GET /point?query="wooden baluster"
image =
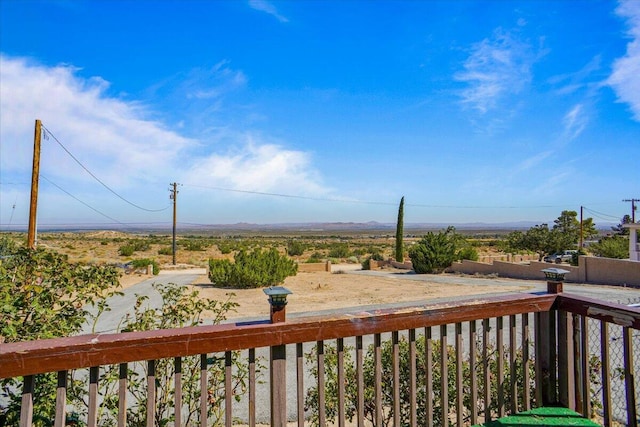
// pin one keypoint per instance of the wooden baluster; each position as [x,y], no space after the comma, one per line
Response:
[632,415]
[360,379]
[428,361]
[92,420]
[151,393]
[395,362]
[459,388]
[473,350]
[526,363]
[228,389]
[177,380]
[122,395]
[252,386]
[300,383]
[204,390]
[500,373]
[377,356]
[341,380]
[321,384]
[444,376]
[513,372]
[26,407]
[413,390]
[606,369]
[61,399]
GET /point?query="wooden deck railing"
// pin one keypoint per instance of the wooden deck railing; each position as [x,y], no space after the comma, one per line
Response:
[465,373]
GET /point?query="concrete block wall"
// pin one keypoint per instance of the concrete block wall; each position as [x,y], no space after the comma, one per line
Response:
[605,271]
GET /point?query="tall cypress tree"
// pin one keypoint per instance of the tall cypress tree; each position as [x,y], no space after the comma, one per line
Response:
[400,232]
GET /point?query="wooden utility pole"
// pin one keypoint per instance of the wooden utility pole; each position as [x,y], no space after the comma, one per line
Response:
[581,232]
[633,208]
[174,197]
[35,179]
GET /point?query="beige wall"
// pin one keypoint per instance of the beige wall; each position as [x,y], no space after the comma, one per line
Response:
[314,267]
[605,271]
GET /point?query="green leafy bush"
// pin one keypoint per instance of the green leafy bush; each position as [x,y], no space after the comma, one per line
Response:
[469,253]
[42,295]
[434,252]
[616,246]
[295,248]
[165,251]
[339,250]
[256,269]
[126,250]
[315,257]
[180,308]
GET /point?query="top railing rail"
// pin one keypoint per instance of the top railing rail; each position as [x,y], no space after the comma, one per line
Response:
[59,354]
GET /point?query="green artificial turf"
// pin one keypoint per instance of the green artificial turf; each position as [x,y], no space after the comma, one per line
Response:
[542,417]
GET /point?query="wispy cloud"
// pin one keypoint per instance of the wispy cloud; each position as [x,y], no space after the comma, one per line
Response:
[574,122]
[267,7]
[625,77]
[497,66]
[120,143]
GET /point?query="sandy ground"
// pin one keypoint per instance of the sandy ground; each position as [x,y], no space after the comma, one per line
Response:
[329,291]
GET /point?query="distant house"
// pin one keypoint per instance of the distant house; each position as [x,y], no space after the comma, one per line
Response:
[634,246]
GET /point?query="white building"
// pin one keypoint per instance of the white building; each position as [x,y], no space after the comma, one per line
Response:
[634,246]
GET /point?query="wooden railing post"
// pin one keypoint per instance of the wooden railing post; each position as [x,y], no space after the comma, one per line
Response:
[278,358]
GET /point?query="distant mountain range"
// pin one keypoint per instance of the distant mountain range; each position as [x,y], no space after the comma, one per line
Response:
[307,227]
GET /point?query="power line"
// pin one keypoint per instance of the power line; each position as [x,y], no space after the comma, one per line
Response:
[367,202]
[601,215]
[47,131]
[75,198]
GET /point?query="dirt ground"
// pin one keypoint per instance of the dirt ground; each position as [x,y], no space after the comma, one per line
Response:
[327,291]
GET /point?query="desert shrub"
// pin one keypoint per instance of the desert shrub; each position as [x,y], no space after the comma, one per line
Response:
[144,262]
[126,250]
[434,252]
[42,295]
[165,251]
[254,269]
[295,248]
[339,250]
[469,253]
[315,257]
[194,245]
[225,248]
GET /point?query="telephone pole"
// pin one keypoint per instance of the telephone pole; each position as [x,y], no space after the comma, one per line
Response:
[581,232]
[633,208]
[174,196]
[35,179]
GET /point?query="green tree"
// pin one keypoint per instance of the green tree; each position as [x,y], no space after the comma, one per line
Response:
[400,232]
[619,229]
[537,239]
[615,246]
[256,269]
[565,233]
[434,252]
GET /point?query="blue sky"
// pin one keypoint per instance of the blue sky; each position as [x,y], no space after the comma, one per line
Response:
[298,111]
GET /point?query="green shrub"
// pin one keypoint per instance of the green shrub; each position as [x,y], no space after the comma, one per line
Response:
[339,250]
[434,252]
[194,245]
[616,246]
[165,251]
[315,257]
[469,253]
[224,248]
[126,250]
[256,269]
[43,295]
[295,248]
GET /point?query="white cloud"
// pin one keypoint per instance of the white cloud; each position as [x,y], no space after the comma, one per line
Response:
[118,142]
[574,122]
[497,67]
[625,77]
[267,7]
[259,166]
[112,137]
